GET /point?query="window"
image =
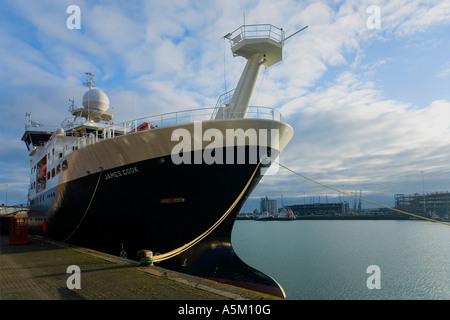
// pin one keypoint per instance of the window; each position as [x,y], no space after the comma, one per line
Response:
[64,165]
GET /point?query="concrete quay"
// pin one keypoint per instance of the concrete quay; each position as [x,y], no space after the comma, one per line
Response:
[38,270]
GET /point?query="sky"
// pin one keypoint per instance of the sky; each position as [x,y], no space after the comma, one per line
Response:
[366,87]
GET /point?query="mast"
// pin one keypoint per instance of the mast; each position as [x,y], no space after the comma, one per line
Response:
[261,45]
[89,83]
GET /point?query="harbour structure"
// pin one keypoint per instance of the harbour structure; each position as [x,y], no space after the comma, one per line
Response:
[337,208]
[269,206]
[437,203]
[159,182]
[13,210]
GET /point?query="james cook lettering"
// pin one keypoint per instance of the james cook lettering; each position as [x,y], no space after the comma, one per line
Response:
[120,173]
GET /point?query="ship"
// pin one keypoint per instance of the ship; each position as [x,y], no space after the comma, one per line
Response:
[159,182]
[285,214]
[264,216]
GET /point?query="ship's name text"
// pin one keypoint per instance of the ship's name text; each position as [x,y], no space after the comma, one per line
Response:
[121,173]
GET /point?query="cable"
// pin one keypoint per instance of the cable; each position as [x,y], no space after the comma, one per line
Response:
[89,205]
[347,194]
[224,67]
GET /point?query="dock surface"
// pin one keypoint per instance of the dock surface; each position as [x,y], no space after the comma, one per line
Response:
[38,270]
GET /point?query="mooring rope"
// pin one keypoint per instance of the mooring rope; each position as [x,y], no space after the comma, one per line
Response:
[175,252]
[87,209]
[350,195]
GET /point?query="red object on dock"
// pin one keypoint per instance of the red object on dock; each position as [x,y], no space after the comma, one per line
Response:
[18,230]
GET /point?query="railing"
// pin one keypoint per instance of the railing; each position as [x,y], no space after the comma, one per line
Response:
[256,31]
[159,121]
[72,122]
[189,116]
[222,101]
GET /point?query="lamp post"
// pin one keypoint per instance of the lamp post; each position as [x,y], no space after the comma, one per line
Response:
[423,190]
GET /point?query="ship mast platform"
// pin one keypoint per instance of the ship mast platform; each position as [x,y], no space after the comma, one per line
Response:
[260,44]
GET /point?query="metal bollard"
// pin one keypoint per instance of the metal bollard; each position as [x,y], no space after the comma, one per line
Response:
[145,257]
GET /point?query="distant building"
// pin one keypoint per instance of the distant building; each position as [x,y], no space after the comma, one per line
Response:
[436,202]
[320,208]
[270,206]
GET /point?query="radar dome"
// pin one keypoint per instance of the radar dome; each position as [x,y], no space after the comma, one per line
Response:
[96,99]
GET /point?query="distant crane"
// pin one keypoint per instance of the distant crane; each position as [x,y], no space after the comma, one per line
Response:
[360,197]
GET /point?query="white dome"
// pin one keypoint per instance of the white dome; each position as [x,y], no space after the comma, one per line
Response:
[96,99]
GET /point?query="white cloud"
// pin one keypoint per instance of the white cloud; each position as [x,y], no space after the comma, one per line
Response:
[444,73]
[407,17]
[349,135]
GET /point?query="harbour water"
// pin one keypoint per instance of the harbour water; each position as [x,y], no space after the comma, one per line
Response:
[329,259]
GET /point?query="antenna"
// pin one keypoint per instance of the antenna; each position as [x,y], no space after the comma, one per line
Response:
[89,83]
[295,33]
[72,105]
[29,118]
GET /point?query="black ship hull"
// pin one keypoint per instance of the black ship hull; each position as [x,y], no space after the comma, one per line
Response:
[159,206]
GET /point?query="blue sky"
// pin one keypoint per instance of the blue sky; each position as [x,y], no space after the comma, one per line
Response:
[370,108]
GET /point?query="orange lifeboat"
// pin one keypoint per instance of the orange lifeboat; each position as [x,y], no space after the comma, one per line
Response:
[144,126]
[43,172]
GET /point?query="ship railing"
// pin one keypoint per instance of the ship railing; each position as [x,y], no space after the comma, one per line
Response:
[163,120]
[72,122]
[187,116]
[222,102]
[255,31]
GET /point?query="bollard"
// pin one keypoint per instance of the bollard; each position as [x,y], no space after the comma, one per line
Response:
[145,257]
